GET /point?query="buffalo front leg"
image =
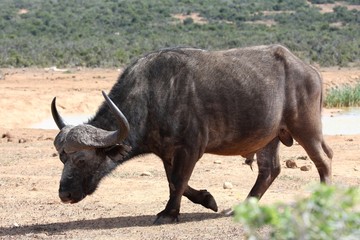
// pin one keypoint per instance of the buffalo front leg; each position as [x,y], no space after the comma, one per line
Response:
[178,175]
[202,197]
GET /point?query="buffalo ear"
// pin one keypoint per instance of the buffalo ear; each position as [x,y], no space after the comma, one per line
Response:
[118,152]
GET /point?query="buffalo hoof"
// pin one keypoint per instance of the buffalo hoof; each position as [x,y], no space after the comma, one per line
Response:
[166,217]
[209,201]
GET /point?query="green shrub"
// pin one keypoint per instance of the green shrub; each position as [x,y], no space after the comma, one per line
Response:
[345,96]
[329,213]
[90,33]
[188,21]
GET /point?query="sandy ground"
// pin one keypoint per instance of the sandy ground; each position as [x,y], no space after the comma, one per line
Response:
[126,202]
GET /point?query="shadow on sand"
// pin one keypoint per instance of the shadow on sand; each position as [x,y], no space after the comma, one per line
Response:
[100,223]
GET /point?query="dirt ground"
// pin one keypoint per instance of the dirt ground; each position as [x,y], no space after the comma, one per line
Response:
[126,202]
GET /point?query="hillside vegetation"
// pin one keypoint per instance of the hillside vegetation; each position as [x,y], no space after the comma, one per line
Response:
[111,33]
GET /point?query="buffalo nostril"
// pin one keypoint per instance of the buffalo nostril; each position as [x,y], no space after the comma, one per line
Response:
[65,196]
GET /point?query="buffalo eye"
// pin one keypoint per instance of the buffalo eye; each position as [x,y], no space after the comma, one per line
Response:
[79,161]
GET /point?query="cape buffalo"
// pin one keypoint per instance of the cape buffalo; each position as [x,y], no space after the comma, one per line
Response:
[180,103]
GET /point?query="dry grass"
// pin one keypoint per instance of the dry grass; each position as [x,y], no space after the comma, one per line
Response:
[268,22]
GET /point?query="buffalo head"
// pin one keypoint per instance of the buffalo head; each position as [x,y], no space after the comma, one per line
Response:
[88,153]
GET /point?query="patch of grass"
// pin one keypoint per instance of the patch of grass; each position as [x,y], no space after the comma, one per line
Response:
[345,96]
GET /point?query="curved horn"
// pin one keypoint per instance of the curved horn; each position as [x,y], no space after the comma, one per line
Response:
[124,127]
[57,118]
[87,136]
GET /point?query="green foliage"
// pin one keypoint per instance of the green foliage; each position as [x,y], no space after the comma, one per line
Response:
[110,33]
[345,96]
[322,1]
[329,213]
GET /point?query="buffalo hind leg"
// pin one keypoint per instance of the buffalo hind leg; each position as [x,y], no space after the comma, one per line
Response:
[321,154]
[268,163]
[310,137]
[182,166]
[202,197]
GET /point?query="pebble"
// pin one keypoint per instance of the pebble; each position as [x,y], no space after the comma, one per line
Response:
[145,174]
[305,168]
[7,135]
[290,164]
[302,157]
[217,162]
[227,185]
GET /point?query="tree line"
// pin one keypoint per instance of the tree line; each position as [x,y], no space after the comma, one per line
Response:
[110,33]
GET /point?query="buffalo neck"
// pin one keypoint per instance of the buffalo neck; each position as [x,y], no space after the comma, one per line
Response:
[126,97]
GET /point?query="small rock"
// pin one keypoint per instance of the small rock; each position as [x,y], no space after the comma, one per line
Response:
[15,224]
[349,140]
[227,185]
[54,155]
[305,168]
[41,236]
[22,140]
[145,174]
[217,162]
[356,169]
[290,164]
[302,157]
[7,135]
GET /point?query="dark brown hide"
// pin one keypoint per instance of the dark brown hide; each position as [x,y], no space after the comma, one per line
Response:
[181,103]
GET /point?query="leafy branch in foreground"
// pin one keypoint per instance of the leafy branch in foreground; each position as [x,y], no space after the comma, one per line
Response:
[329,213]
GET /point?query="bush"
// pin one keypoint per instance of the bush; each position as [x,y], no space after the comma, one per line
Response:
[188,21]
[90,33]
[329,213]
